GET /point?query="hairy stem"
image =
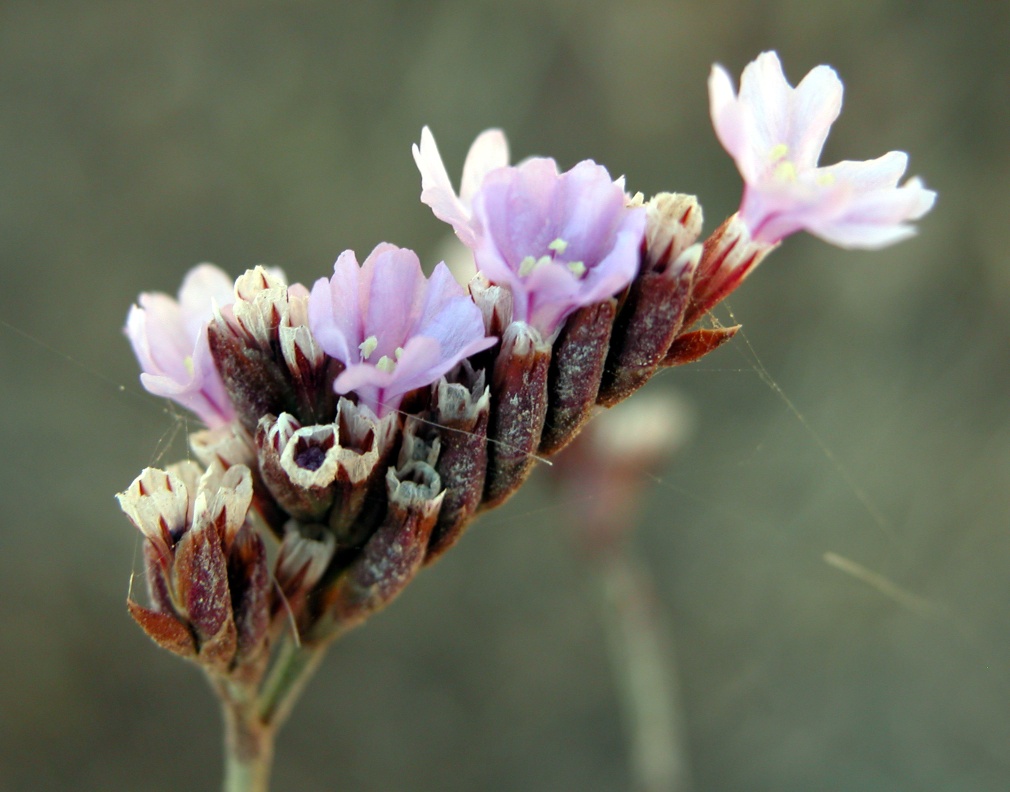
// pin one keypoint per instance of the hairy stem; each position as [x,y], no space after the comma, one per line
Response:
[249,741]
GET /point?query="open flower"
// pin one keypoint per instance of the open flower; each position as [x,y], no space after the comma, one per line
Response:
[557,241]
[775,134]
[394,330]
[169,338]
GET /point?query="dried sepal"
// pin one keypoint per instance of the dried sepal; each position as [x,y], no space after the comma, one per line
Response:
[729,256]
[673,224]
[359,503]
[165,629]
[393,554]
[228,445]
[303,557]
[695,344]
[650,319]
[518,410]
[255,381]
[494,302]
[250,585]
[576,371]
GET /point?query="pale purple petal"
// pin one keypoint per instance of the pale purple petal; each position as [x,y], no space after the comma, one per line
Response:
[169,338]
[437,191]
[204,284]
[334,314]
[775,134]
[557,241]
[876,218]
[489,151]
[816,103]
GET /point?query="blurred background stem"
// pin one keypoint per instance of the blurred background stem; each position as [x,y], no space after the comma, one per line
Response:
[640,650]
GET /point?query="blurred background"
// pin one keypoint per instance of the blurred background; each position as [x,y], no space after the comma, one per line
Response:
[137,140]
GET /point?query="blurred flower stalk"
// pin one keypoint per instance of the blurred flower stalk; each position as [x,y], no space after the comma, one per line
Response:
[355,429]
[600,478]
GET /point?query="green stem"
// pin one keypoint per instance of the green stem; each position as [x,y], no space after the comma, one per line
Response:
[292,669]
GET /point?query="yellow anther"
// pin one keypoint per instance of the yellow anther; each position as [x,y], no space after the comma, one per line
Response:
[188,363]
[526,266]
[577,268]
[398,353]
[785,171]
[368,346]
[825,179]
[778,152]
[558,245]
[385,364]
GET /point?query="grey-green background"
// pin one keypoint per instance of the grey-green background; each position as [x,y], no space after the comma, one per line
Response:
[137,139]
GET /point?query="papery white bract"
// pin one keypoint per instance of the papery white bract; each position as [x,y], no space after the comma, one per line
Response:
[393,329]
[557,241]
[775,134]
[169,338]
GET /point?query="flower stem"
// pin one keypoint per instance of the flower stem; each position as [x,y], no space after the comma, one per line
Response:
[295,664]
[249,741]
[641,654]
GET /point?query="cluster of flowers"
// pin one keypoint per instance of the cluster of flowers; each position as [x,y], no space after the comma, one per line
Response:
[366,422]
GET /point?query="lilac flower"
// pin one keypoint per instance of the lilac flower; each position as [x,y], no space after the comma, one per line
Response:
[169,338]
[557,241]
[394,330]
[775,134]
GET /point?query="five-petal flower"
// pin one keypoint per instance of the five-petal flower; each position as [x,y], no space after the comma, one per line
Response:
[775,134]
[557,241]
[393,330]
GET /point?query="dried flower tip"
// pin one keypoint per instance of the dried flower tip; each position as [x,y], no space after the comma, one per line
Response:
[227,445]
[673,223]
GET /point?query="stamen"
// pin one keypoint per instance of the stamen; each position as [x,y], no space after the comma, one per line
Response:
[558,245]
[386,364]
[188,363]
[826,179]
[398,353]
[778,152]
[526,266]
[785,171]
[368,346]
[577,268]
